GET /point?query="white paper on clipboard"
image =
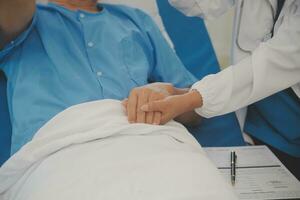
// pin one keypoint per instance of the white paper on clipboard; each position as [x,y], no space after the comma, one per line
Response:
[259,174]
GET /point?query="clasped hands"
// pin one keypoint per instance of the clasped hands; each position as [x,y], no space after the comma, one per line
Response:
[158,103]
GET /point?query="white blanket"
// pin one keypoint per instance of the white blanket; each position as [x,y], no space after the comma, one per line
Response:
[91,152]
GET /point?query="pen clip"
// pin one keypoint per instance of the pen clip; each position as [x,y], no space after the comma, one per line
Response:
[233,157]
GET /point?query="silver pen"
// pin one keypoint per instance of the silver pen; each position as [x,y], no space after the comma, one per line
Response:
[233,166]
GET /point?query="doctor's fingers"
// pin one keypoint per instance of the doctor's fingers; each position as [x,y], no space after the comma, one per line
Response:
[151,117]
[154,117]
[146,95]
[157,106]
[132,111]
[163,107]
[139,97]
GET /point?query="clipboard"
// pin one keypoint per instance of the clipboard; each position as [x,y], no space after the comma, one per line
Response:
[259,173]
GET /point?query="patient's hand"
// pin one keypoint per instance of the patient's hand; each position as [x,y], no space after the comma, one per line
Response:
[144,95]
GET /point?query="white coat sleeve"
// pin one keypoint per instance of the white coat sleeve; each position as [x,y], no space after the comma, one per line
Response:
[207,9]
[272,67]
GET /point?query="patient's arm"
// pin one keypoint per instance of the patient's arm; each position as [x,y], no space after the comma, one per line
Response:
[15,15]
[154,92]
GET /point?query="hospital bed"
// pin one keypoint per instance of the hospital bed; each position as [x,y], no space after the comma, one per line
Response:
[197,54]
[99,155]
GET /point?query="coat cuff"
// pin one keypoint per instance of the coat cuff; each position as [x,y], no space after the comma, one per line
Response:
[215,91]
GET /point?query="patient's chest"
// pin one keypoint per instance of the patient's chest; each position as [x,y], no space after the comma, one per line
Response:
[73,58]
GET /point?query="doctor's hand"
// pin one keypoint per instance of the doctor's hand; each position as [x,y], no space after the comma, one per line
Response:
[143,95]
[172,107]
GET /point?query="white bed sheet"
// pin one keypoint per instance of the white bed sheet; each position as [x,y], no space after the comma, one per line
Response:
[90,151]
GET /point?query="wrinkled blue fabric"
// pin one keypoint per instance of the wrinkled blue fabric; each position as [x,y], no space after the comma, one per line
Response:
[276,121]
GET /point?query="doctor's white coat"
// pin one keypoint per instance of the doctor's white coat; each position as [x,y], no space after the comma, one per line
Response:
[261,64]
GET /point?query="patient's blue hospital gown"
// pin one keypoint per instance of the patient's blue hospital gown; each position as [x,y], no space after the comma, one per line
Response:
[69,57]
